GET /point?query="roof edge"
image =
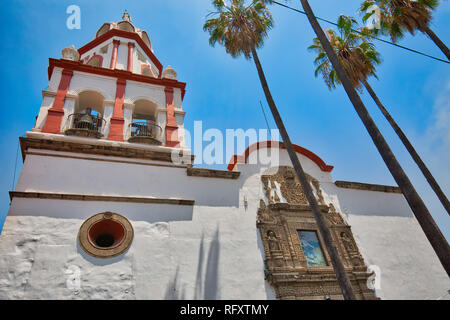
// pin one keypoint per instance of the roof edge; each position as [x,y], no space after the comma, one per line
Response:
[241,159]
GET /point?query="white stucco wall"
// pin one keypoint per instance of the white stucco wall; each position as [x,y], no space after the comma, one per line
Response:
[391,239]
[191,258]
[48,98]
[210,250]
[82,81]
[97,50]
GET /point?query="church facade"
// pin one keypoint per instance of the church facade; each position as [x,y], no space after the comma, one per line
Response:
[103,211]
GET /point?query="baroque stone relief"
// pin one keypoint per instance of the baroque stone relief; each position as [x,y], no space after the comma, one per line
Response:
[283,213]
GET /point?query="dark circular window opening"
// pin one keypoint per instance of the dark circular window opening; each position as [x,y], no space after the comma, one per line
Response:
[104,240]
[106,235]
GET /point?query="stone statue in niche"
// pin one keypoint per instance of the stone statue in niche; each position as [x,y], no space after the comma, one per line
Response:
[273,241]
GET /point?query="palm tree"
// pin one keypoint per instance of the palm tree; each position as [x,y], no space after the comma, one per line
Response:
[241,29]
[431,230]
[359,58]
[398,16]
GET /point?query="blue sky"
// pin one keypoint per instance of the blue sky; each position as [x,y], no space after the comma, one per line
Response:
[224,92]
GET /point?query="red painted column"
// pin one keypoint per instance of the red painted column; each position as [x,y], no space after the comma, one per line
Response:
[56,112]
[117,121]
[130,56]
[116,44]
[171,124]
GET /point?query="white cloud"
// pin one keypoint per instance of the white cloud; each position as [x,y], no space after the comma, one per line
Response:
[434,148]
[436,140]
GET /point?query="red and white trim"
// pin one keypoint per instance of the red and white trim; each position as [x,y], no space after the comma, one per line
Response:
[242,159]
[130,56]
[122,74]
[56,112]
[99,57]
[116,44]
[117,121]
[123,34]
[171,123]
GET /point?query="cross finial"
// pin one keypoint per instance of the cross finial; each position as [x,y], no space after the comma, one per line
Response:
[126,16]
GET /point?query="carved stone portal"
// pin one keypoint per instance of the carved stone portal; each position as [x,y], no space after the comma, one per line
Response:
[279,221]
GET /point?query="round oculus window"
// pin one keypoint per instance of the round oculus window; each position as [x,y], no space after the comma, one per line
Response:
[105,235]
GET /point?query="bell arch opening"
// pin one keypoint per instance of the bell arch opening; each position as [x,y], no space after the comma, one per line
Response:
[87,119]
[143,127]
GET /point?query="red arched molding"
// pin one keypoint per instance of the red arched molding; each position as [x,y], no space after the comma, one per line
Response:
[123,34]
[99,57]
[276,144]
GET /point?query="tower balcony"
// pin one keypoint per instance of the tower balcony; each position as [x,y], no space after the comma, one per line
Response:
[146,132]
[85,125]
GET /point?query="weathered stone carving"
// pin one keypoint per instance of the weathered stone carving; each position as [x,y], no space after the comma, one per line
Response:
[334,217]
[286,269]
[349,244]
[273,241]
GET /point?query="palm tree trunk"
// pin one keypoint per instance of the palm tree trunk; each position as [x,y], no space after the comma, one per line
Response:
[426,221]
[437,41]
[433,183]
[330,245]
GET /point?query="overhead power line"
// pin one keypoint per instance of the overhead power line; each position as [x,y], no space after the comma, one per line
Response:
[374,37]
[267,122]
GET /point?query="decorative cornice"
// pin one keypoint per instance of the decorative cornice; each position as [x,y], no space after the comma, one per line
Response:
[89,197]
[294,207]
[209,173]
[46,93]
[128,105]
[71,96]
[367,187]
[99,149]
[121,74]
[178,111]
[108,103]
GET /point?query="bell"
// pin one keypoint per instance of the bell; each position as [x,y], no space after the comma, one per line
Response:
[86,119]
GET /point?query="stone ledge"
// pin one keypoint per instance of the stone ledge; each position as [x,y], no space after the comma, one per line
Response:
[85,197]
[367,187]
[209,173]
[91,147]
[294,207]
